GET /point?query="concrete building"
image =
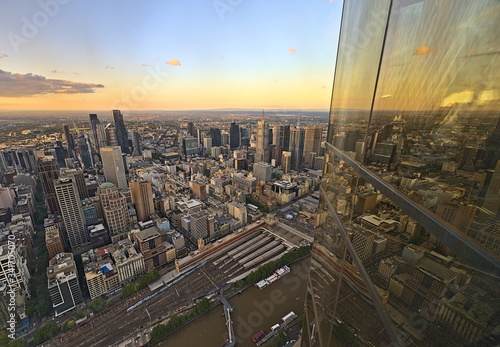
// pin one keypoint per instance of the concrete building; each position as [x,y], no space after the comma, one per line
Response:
[128,262]
[286,162]
[262,153]
[18,279]
[238,211]
[48,172]
[141,193]
[263,171]
[72,212]
[100,274]
[53,241]
[115,211]
[63,284]
[150,244]
[199,225]
[114,169]
[312,143]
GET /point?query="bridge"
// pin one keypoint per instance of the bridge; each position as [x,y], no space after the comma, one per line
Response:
[227,313]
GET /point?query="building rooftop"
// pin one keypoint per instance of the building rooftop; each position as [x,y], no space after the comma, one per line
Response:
[147,234]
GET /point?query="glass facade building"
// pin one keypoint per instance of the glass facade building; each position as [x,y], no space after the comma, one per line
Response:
[407,239]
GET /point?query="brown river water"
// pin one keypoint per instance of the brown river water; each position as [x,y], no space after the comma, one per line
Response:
[254,310]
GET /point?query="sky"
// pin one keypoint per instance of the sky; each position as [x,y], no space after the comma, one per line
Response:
[167,55]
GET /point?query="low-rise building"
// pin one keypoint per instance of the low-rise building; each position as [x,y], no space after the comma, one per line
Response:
[128,262]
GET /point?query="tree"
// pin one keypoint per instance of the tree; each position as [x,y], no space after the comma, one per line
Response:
[45,333]
[129,290]
[97,304]
[159,331]
[281,338]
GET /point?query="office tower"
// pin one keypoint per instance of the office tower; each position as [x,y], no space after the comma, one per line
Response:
[71,212]
[60,154]
[95,129]
[114,169]
[225,138]
[281,136]
[121,131]
[262,153]
[297,136]
[48,172]
[3,163]
[199,225]
[190,146]
[234,136]
[101,136]
[69,141]
[62,278]
[141,193]
[401,72]
[85,154]
[136,143]
[286,162]
[53,241]
[14,277]
[79,178]
[262,171]
[111,139]
[215,134]
[207,144]
[150,244]
[312,143]
[115,210]
[190,129]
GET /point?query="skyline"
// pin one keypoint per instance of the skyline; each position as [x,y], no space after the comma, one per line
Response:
[246,55]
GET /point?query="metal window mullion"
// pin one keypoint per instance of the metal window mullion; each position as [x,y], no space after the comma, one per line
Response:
[456,242]
[391,331]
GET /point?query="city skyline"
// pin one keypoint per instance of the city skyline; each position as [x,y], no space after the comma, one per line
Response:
[76,56]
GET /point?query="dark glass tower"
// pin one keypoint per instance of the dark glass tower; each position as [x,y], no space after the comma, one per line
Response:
[215,134]
[234,136]
[121,131]
[406,248]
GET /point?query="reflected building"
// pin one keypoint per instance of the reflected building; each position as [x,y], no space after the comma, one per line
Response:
[407,238]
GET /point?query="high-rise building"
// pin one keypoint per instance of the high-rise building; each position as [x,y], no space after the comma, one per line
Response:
[141,193]
[115,210]
[62,278]
[312,143]
[3,163]
[71,212]
[190,146]
[94,123]
[121,131]
[262,153]
[110,132]
[190,129]
[69,141]
[286,161]
[234,136]
[136,143]
[215,134]
[79,178]
[53,240]
[402,72]
[128,262]
[281,136]
[263,171]
[114,169]
[297,136]
[150,244]
[48,172]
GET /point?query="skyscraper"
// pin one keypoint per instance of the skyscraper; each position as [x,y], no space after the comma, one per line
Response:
[281,134]
[110,132]
[378,273]
[71,212]
[48,172]
[115,210]
[114,169]
[262,146]
[312,143]
[297,136]
[215,134]
[141,193]
[136,143]
[234,136]
[94,122]
[69,141]
[121,131]
[190,129]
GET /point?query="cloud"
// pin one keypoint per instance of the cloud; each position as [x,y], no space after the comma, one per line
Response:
[423,50]
[3,55]
[19,85]
[143,65]
[222,57]
[173,62]
[291,50]
[157,58]
[323,87]
[386,96]
[110,67]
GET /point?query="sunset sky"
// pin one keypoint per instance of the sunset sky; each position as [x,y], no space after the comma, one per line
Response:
[167,55]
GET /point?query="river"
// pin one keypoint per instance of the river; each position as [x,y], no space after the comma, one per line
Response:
[255,310]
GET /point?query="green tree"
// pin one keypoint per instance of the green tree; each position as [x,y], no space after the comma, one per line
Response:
[17,343]
[97,304]
[45,333]
[281,338]
[129,290]
[159,331]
